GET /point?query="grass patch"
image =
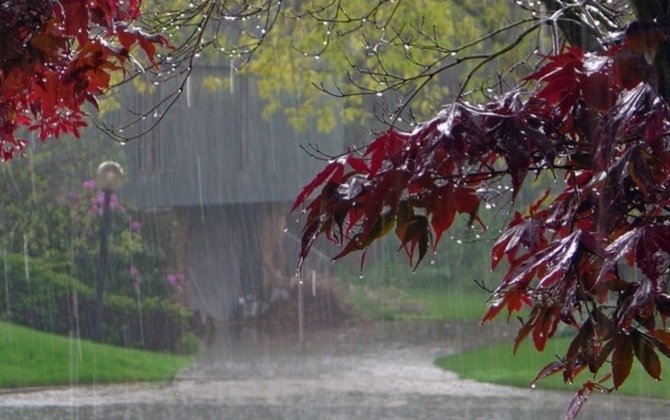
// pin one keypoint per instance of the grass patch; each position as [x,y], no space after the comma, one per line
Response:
[450,304]
[497,364]
[387,302]
[33,358]
[377,302]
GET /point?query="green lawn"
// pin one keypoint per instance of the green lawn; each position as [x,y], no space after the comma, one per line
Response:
[32,358]
[496,364]
[396,303]
[451,304]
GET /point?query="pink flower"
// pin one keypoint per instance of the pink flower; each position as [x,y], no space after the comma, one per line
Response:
[134,272]
[89,184]
[113,202]
[175,279]
[135,226]
[98,202]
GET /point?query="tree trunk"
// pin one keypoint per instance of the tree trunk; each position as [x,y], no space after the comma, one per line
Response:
[574,31]
[577,33]
[649,10]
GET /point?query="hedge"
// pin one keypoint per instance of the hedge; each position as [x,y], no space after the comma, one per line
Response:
[33,295]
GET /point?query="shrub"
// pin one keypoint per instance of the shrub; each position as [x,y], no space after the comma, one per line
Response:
[190,344]
[32,294]
[152,323]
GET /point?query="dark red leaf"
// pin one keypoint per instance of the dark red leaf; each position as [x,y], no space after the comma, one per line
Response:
[442,216]
[413,233]
[550,264]
[639,170]
[528,232]
[639,304]
[333,171]
[575,349]
[663,304]
[75,14]
[572,55]
[525,329]
[598,92]
[383,147]
[357,164]
[446,202]
[645,353]
[652,250]
[602,356]
[493,310]
[513,300]
[540,335]
[309,236]
[383,224]
[577,402]
[645,245]
[548,370]
[622,359]
[518,162]
[662,338]
[574,77]
[630,69]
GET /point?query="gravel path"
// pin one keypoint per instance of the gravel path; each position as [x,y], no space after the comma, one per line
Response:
[352,373]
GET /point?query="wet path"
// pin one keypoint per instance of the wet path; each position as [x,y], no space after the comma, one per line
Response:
[361,372]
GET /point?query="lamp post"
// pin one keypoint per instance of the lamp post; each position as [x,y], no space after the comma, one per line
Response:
[108,178]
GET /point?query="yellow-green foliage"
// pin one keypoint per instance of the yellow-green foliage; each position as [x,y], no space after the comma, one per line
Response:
[309,51]
[212,83]
[321,43]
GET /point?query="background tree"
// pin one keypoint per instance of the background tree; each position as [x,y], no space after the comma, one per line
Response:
[593,256]
[314,44]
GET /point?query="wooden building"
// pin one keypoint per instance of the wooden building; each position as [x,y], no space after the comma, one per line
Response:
[228,176]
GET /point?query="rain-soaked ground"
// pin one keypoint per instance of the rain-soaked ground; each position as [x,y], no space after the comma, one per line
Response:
[361,371]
